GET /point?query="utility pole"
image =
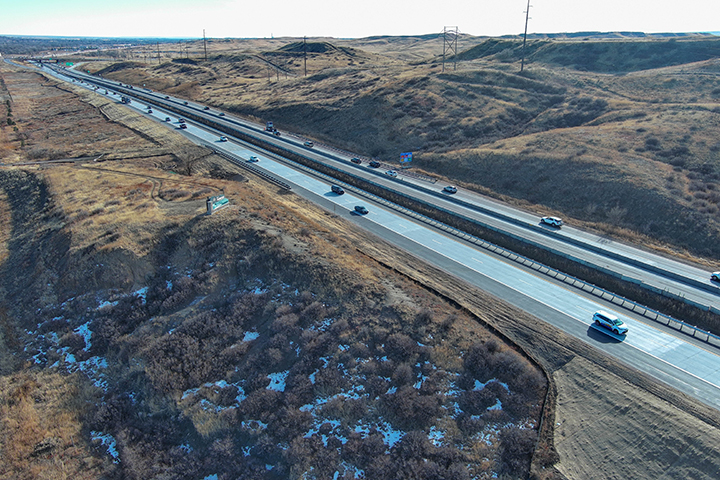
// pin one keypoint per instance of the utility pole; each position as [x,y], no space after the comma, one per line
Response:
[527,17]
[305,54]
[205,42]
[450,36]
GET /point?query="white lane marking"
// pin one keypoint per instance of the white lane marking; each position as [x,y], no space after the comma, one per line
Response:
[521,292]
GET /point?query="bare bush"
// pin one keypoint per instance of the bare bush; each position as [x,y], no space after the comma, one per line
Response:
[515,452]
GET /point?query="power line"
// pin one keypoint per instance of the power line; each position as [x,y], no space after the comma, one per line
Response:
[527,17]
[205,43]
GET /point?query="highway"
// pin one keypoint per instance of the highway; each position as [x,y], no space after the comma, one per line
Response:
[659,273]
[689,366]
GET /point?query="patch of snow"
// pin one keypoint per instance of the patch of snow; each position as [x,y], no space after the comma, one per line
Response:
[249,336]
[277,381]
[189,392]
[84,331]
[91,367]
[107,441]
[344,348]
[497,406]
[241,394]
[168,284]
[391,390]
[322,326]
[253,425]
[141,294]
[246,451]
[390,435]
[106,304]
[70,358]
[269,467]
[312,376]
[186,447]
[214,476]
[436,436]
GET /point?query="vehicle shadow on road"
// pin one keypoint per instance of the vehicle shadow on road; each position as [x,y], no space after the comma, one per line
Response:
[603,337]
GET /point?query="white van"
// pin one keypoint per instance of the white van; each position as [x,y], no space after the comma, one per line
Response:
[610,321]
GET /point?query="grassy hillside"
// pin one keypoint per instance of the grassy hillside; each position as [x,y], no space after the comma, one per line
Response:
[641,145]
[605,56]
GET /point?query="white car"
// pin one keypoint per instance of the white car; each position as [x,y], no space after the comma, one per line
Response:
[223,138]
[611,322]
[391,173]
[450,189]
[552,221]
[253,159]
[309,144]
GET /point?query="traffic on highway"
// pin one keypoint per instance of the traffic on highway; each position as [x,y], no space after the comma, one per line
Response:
[690,366]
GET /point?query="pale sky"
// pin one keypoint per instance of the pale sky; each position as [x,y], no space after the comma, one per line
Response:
[348,19]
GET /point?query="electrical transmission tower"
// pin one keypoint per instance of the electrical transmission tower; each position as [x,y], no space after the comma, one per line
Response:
[527,17]
[450,38]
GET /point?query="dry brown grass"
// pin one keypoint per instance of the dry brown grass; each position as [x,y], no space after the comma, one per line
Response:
[41,430]
[646,138]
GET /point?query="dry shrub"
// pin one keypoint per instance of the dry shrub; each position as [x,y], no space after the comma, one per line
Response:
[515,452]
[409,409]
[401,347]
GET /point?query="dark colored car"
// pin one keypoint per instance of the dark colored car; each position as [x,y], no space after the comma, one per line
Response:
[183,126]
[374,164]
[361,210]
[356,160]
[337,189]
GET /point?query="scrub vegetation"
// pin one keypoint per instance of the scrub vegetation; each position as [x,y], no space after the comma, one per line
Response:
[140,338]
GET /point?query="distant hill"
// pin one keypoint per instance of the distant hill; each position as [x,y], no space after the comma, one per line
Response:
[600,56]
[610,35]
